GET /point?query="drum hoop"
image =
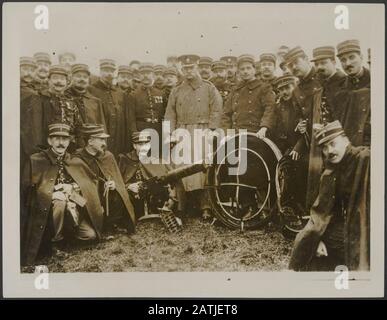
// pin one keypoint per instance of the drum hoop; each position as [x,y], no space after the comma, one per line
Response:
[268,184]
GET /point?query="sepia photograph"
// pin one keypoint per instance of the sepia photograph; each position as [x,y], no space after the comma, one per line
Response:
[146,140]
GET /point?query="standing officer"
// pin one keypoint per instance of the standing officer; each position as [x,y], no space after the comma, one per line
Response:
[349,54]
[331,79]
[114,106]
[147,104]
[287,114]
[219,70]
[267,62]
[299,65]
[90,107]
[31,134]
[136,81]
[250,105]
[124,79]
[194,104]
[159,82]
[27,76]
[43,63]
[231,63]
[282,51]
[355,113]
[171,80]
[57,107]
[205,68]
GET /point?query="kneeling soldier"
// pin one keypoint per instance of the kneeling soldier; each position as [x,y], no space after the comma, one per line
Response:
[62,198]
[119,210]
[338,230]
[137,174]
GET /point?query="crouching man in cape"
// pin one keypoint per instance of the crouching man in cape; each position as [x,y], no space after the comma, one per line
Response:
[119,211]
[338,230]
[61,199]
[138,166]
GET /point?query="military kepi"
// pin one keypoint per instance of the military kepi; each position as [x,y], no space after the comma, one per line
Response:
[125,69]
[284,81]
[328,132]
[94,130]
[229,60]
[146,67]
[327,52]
[59,129]
[219,65]
[42,56]
[141,137]
[267,57]
[107,63]
[189,59]
[27,61]
[294,53]
[80,67]
[348,46]
[246,58]
[58,69]
[205,61]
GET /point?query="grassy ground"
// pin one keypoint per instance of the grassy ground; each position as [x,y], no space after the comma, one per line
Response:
[199,247]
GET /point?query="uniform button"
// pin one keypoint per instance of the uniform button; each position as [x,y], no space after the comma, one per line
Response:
[51,179]
[199,99]
[364,110]
[250,91]
[249,101]
[41,227]
[360,130]
[250,111]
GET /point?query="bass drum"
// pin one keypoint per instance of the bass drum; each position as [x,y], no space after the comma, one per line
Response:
[242,181]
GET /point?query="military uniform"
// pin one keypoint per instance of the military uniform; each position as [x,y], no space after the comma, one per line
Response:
[105,168]
[41,214]
[146,109]
[192,105]
[230,61]
[250,106]
[113,102]
[287,115]
[271,58]
[354,102]
[59,108]
[31,117]
[40,84]
[340,215]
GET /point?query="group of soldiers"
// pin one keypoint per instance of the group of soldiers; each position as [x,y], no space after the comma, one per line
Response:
[82,136]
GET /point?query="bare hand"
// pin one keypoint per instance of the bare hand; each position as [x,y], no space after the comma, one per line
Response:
[262,133]
[111,185]
[134,187]
[321,250]
[294,155]
[301,127]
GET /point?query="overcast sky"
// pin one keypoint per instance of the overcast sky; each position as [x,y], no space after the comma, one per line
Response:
[150,32]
